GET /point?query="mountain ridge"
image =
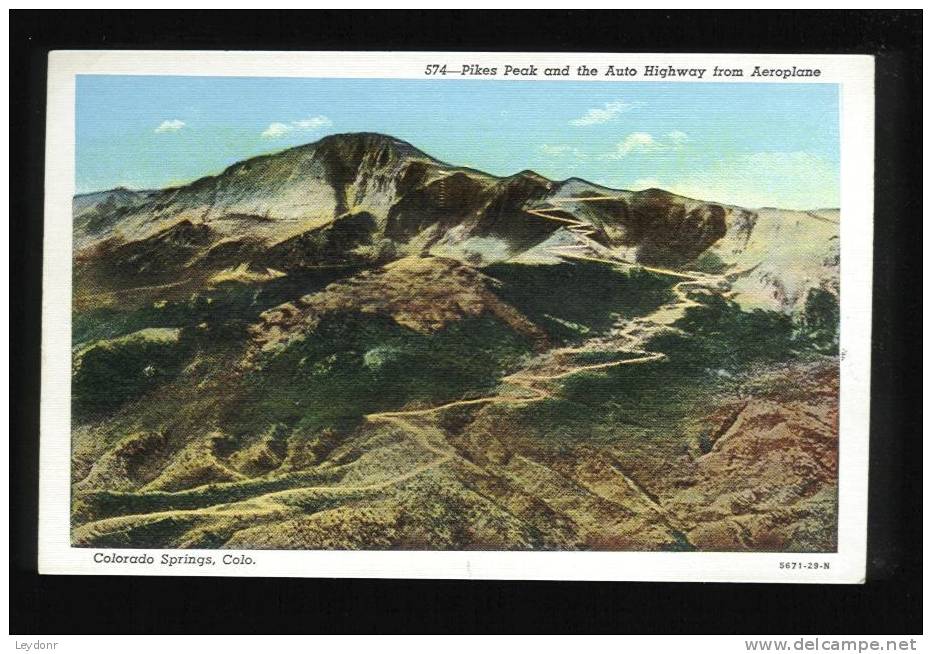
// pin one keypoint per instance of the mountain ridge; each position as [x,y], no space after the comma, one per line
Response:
[368,198]
[388,137]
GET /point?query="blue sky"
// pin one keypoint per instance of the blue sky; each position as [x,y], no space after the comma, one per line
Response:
[749,144]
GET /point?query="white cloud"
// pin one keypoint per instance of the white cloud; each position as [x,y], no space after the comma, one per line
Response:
[276,130]
[605,113]
[170,126]
[316,122]
[788,180]
[559,151]
[644,142]
[634,142]
[554,150]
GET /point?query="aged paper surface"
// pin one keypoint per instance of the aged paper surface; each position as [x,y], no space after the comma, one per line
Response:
[556,316]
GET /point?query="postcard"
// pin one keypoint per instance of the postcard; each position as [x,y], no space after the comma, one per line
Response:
[457,315]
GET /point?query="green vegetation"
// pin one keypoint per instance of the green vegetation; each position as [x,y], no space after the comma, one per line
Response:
[644,399]
[110,372]
[820,321]
[110,503]
[721,336]
[718,342]
[352,365]
[709,262]
[572,300]
[595,357]
[230,307]
[156,533]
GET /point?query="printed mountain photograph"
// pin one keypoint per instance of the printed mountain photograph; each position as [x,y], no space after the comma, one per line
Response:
[455,315]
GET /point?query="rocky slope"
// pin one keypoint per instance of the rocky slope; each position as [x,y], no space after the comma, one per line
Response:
[368,199]
[746,474]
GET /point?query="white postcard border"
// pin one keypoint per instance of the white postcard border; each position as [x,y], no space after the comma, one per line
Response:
[854,74]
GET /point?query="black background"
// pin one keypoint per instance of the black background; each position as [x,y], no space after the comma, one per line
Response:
[889,603]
